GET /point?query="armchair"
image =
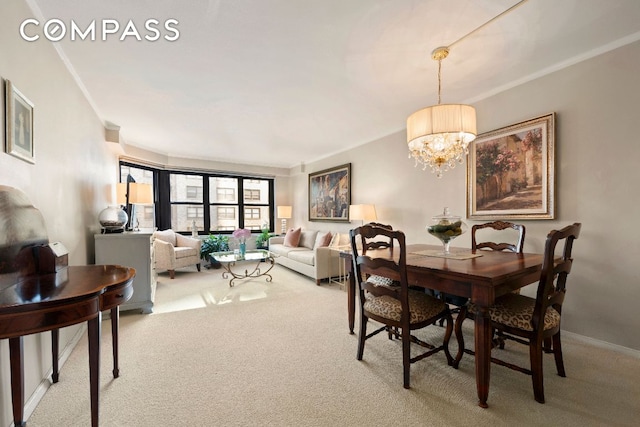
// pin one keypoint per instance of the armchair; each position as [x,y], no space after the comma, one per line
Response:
[173,250]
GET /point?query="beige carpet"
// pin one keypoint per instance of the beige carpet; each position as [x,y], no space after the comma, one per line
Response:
[279,354]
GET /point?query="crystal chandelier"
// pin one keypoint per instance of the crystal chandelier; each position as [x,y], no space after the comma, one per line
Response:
[438,136]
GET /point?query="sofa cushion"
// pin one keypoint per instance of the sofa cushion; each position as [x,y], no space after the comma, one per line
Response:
[184,252]
[306,256]
[308,238]
[282,250]
[322,239]
[292,238]
[168,236]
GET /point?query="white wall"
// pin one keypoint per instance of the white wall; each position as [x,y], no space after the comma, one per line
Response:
[69,183]
[72,179]
[597,150]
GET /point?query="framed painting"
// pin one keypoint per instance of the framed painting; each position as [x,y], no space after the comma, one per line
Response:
[510,172]
[330,194]
[19,124]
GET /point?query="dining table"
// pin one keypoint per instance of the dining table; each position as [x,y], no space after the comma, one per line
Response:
[480,275]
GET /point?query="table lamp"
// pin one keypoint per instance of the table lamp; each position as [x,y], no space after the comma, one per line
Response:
[364,213]
[139,194]
[284,213]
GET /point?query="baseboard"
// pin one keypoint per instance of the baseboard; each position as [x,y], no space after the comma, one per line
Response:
[33,400]
[603,344]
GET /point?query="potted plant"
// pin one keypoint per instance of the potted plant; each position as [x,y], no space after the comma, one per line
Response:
[215,243]
[262,240]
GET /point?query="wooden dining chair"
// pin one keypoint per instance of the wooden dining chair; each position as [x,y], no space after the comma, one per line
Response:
[516,246]
[531,321]
[498,225]
[379,243]
[394,306]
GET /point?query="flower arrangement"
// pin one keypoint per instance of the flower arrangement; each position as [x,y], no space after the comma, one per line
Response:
[242,234]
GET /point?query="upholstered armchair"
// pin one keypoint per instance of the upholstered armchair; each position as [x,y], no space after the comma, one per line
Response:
[173,250]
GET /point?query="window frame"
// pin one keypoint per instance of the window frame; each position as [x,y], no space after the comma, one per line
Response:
[163,203]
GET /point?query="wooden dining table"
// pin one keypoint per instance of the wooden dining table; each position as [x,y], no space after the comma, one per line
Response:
[481,278]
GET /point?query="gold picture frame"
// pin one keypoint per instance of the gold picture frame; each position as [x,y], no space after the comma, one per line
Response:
[511,173]
[19,124]
[330,194]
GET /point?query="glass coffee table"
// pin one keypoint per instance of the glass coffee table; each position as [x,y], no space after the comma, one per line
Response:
[231,258]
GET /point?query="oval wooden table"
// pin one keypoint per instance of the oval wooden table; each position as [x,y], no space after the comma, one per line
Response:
[47,302]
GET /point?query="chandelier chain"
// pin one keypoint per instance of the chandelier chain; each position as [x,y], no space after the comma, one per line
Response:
[439,78]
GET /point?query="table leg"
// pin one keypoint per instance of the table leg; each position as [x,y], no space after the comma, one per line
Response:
[115,322]
[55,347]
[94,367]
[483,338]
[17,380]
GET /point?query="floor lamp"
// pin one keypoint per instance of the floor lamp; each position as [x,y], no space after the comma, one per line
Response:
[284,213]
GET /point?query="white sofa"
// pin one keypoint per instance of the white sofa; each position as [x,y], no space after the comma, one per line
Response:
[173,250]
[309,258]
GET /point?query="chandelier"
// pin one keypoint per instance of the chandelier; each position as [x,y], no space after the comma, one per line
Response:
[438,136]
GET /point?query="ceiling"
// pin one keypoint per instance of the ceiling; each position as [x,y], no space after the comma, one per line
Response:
[285,82]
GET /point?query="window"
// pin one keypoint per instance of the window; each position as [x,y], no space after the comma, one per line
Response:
[252,213]
[193,212]
[210,202]
[226,213]
[194,192]
[226,194]
[253,195]
[141,216]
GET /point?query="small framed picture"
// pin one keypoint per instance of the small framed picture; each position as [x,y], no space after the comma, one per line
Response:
[19,124]
[511,172]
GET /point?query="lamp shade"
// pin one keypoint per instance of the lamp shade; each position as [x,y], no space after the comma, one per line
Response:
[140,194]
[121,193]
[284,212]
[365,213]
[443,118]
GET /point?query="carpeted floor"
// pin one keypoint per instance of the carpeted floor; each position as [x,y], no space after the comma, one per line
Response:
[279,354]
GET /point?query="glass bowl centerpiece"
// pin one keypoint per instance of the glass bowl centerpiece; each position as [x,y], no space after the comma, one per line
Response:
[446,227]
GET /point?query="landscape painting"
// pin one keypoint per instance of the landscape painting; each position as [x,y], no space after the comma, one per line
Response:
[510,172]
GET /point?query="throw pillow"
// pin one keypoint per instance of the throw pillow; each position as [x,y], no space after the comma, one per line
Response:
[308,238]
[340,240]
[323,239]
[168,236]
[292,238]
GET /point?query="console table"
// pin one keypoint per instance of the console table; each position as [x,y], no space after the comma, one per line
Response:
[47,302]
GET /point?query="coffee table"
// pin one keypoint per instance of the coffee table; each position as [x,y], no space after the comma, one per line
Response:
[231,258]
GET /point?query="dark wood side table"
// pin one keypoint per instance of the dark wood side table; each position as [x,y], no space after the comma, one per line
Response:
[47,302]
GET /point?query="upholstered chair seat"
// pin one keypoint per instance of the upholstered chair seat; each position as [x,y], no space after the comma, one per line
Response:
[516,311]
[381,281]
[421,307]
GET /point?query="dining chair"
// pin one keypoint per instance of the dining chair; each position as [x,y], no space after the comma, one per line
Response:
[394,306]
[379,243]
[516,246]
[531,321]
[498,225]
